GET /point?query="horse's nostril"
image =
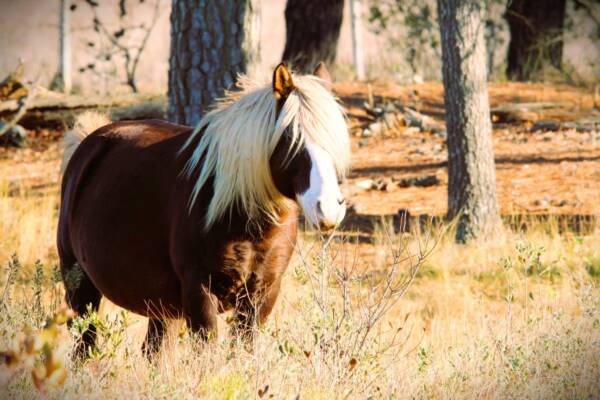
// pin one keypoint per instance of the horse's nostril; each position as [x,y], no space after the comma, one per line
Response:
[319,209]
[341,201]
[326,226]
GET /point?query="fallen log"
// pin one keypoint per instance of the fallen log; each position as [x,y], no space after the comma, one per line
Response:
[52,110]
[403,221]
[523,112]
[423,122]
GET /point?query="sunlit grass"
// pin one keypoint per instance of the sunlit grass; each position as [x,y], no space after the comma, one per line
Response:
[27,222]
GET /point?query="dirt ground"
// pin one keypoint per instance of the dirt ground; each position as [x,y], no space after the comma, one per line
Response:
[538,171]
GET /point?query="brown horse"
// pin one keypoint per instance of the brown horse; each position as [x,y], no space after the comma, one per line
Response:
[167,221]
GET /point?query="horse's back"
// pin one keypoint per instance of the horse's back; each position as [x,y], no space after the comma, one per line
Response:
[116,194]
[122,155]
[137,135]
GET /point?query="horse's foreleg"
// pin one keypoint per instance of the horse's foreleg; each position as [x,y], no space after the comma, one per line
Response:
[200,309]
[244,319]
[253,312]
[154,336]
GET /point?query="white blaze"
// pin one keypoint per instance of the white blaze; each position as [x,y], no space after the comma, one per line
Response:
[323,201]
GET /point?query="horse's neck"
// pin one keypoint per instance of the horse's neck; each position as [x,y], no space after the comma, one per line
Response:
[236,223]
[265,228]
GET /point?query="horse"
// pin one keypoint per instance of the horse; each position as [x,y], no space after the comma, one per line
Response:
[169,221]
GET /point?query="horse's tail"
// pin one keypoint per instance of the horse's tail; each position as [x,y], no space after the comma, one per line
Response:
[85,124]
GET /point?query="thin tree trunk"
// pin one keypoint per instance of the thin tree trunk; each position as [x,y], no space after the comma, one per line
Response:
[471,171]
[211,43]
[64,67]
[357,43]
[536,28]
[313,30]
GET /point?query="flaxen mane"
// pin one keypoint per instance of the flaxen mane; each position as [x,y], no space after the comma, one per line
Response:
[239,136]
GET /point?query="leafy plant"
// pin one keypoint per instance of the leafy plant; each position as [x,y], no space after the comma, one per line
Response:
[110,333]
[41,352]
[12,268]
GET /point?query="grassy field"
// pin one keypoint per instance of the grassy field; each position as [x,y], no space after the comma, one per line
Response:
[374,315]
[403,316]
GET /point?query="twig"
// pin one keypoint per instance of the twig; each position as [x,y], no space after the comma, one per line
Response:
[131,74]
[132,54]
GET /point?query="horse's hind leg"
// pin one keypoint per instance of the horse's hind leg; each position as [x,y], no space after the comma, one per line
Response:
[80,294]
[154,336]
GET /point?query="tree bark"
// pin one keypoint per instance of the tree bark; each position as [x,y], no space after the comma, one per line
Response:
[536,28]
[313,31]
[471,172]
[212,42]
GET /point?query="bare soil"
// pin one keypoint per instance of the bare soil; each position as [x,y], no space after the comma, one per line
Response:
[538,171]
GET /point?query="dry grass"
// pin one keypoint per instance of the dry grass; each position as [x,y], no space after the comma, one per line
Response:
[515,318]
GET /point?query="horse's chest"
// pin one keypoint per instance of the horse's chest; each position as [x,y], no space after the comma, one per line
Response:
[240,260]
[246,269]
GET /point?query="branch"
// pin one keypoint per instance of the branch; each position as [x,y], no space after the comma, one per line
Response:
[586,7]
[521,17]
[23,102]
[131,54]
[131,73]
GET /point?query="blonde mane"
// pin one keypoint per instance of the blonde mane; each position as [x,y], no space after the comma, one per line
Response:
[240,135]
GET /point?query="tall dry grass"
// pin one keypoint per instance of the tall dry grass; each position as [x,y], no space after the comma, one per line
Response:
[517,317]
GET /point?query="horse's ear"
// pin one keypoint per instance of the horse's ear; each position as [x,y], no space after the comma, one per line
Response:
[282,82]
[322,72]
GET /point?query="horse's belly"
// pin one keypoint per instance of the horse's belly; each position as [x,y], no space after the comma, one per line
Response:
[128,266]
[155,293]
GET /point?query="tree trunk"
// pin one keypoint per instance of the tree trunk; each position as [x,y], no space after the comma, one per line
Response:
[471,171]
[536,28]
[357,42]
[211,43]
[64,65]
[313,30]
